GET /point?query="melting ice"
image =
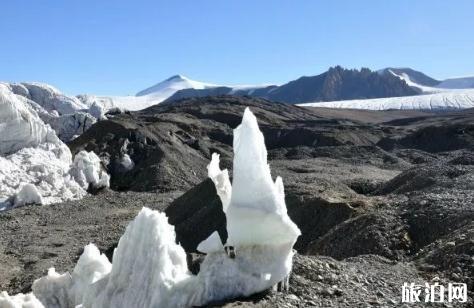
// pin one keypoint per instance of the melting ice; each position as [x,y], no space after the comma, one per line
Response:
[149,269]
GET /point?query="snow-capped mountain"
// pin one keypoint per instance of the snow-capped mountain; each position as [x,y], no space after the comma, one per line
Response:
[71,116]
[335,84]
[177,86]
[414,76]
[148,97]
[168,87]
[437,95]
[426,84]
[455,99]
[420,82]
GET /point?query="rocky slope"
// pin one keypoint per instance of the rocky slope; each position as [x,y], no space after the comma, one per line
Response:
[415,76]
[381,198]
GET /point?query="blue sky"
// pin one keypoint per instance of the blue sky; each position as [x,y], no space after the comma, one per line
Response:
[121,47]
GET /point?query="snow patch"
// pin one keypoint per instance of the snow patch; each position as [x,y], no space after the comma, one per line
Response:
[126,162]
[19,301]
[28,195]
[46,166]
[86,170]
[422,88]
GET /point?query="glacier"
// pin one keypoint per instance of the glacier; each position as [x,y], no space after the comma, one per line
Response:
[36,166]
[67,115]
[441,97]
[443,101]
[149,268]
[20,125]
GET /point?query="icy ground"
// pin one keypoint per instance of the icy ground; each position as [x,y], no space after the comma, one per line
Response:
[455,93]
[35,163]
[150,270]
[454,99]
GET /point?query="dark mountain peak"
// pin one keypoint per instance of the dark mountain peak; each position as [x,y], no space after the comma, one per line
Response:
[336,68]
[415,76]
[337,83]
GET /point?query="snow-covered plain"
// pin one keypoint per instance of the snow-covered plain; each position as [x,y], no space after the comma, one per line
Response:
[454,99]
[35,165]
[149,269]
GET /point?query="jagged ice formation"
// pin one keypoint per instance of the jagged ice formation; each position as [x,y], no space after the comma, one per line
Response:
[35,165]
[68,116]
[149,269]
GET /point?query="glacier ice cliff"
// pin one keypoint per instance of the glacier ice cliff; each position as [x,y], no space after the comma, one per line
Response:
[68,116]
[149,268]
[31,154]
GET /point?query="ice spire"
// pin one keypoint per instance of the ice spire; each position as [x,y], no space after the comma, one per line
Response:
[149,268]
[254,205]
[257,211]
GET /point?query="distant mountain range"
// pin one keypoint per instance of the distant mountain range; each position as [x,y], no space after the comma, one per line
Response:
[388,88]
[427,84]
[435,95]
[335,84]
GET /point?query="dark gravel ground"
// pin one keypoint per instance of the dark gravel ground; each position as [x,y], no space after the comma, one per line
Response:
[377,202]
[35,238]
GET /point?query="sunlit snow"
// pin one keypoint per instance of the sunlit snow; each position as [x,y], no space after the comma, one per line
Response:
[157,93]
[67,115]
[35,163]
[454,99]
[149,269]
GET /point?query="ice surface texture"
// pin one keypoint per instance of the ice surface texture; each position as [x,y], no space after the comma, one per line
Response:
[149,269]
[454,99]
[20,125]
[67,115]
[35,165]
